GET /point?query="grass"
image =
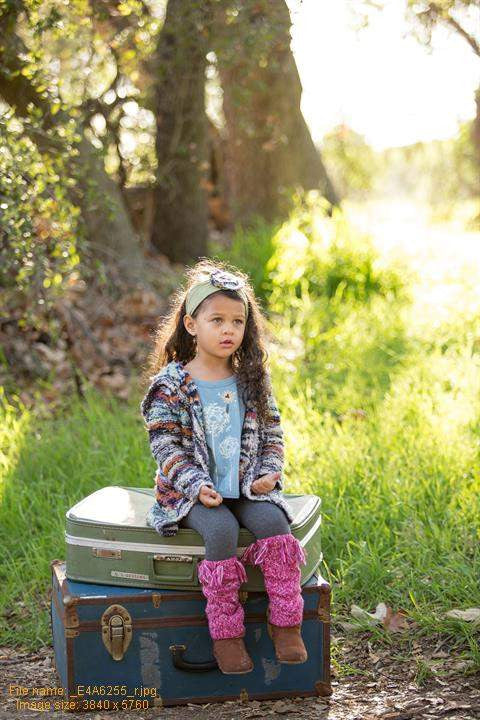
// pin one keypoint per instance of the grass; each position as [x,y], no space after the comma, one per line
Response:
[381,416]
[48,465]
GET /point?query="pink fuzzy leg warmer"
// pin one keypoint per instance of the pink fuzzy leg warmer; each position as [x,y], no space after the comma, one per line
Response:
[278,557]
[221,580]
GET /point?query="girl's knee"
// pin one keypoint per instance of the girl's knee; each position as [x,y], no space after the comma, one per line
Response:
[221,536]
[275,522]
[226,529]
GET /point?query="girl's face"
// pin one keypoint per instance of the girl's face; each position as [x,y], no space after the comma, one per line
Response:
[219,319]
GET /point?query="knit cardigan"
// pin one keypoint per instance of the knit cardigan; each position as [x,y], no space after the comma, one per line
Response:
[173,416]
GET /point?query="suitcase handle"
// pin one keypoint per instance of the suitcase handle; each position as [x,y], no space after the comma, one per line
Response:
[174,578]
[180,663]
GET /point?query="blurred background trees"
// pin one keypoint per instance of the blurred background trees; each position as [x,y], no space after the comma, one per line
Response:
[139,135]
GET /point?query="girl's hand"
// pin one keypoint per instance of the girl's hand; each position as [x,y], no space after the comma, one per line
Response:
[265,483]
[209,497]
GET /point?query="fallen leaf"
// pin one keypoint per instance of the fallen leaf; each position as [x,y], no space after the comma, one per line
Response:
[396,622]
[350,627]
[372,618]
[282,707]
[459,706]
[374,657]
[470,614]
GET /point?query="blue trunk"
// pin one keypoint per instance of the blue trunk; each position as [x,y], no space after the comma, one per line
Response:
[164,651]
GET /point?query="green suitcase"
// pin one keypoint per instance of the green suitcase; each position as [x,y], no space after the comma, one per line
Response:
[109,542]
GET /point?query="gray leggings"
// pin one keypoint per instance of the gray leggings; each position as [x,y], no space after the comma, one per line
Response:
[219,526]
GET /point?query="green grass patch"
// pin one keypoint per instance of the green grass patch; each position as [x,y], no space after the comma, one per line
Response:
[49,464]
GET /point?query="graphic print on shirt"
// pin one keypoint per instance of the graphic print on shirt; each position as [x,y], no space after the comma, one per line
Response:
[228,396]
[229,446]
[217,420]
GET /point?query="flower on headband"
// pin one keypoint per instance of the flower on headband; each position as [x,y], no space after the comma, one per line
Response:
[226,280]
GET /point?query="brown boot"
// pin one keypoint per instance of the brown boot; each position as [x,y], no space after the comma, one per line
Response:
[232,656]
[289,647]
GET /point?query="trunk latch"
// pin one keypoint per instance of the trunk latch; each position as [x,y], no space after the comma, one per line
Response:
[116,630]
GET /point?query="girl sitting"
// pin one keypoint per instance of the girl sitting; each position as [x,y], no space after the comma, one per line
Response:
[215,433]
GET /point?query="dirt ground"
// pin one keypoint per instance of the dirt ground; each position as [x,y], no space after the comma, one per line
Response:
[420,679]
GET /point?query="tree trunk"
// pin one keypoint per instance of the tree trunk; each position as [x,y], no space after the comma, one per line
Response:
[270,149]
[112,238]
[180,222]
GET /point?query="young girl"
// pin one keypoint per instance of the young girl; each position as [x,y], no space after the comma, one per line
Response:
[214,430]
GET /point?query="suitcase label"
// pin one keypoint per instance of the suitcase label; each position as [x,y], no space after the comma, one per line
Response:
[130,575]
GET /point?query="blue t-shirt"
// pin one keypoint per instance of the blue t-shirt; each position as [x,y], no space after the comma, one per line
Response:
[223,413]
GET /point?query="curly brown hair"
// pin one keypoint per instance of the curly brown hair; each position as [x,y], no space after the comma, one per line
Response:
[173,342]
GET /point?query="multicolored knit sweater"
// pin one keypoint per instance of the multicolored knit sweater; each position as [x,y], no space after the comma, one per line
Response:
[172,411]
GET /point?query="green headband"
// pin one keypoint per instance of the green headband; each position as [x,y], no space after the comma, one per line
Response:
[218,280]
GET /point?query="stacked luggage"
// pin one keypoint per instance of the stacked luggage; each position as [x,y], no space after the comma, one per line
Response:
[128,613]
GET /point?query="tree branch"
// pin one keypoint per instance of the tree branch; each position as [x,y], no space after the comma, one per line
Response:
[461,31]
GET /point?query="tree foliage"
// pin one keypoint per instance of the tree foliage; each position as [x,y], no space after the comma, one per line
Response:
[40,233]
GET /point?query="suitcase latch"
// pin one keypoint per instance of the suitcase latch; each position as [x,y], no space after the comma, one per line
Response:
[107,553]
[116,630]
[174,558]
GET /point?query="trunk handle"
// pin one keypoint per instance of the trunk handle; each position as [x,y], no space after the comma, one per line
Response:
[177,652]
